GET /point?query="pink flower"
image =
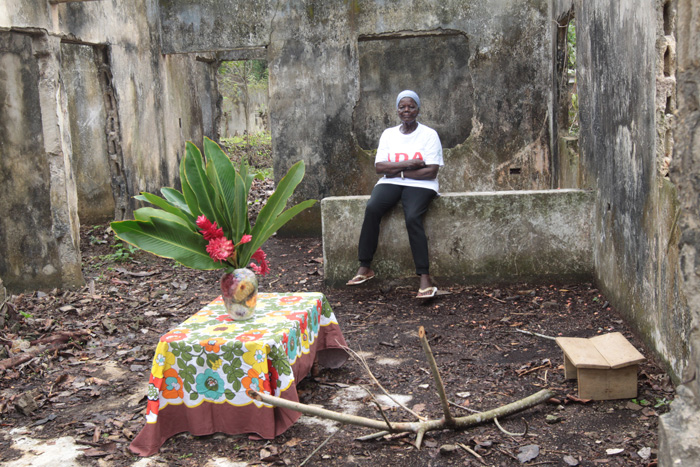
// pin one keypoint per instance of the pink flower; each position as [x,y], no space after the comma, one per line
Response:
[245,239]
[262,267]
[220,248]
[203,222]
[209,230]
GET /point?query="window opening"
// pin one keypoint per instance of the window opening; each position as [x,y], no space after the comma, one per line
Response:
[571,78]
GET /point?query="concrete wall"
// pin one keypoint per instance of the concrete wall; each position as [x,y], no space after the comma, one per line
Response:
[680,429]
[636,210]
[93,110]
[234,122]
[505,236]
[38,207]
[86,110]
[482,68]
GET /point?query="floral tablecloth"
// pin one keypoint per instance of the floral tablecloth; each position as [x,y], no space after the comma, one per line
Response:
[203,368]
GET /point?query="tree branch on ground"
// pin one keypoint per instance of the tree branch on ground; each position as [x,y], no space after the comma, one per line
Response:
[420,427]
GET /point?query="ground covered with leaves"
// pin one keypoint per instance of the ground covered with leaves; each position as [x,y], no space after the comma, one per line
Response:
[492,346]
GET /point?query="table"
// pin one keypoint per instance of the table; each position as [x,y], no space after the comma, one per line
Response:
[203,368]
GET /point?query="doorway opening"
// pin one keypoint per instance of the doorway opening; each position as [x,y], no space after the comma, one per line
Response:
[244,126]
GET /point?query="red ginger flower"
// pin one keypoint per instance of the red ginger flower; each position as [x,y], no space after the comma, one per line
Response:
[262,267]
[209,230]
[220,248]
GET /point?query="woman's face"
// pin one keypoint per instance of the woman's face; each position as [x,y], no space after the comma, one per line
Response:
[408,110]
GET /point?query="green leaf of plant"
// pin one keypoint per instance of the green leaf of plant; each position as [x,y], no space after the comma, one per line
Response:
[177,199]
[200,185]
[167,206]
[222,175]
[145,214]
[188,194]
[169,240]
[286,216]
[278,201]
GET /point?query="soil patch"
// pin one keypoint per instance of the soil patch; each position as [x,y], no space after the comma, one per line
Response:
[93,388]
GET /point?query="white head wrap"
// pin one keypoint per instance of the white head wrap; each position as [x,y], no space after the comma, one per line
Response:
[408,93]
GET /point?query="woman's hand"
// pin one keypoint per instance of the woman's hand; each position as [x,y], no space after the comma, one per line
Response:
[415,164]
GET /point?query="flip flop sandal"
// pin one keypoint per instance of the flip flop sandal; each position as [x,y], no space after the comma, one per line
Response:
[428,292]
[359,279]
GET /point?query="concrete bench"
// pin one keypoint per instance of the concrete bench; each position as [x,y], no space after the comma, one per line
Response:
[474,237]
[605,366]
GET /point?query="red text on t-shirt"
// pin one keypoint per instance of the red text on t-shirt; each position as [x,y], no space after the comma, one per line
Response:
[402,156]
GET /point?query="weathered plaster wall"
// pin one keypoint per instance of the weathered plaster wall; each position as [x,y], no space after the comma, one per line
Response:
[86,111]
[482,68]
[38,246]
[680,429]
[153,103]
[636,241]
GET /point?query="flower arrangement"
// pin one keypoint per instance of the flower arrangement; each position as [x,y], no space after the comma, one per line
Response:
[206,225]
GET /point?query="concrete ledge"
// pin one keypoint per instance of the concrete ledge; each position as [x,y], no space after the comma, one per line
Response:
[475,237]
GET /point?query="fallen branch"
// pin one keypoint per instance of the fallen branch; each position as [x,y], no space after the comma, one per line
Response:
[321,445]
[449,419]
[50,343]
[536,334]
[29,354]
[495,420]
[472,452]
[63,336]
[364,364]
[411,427]
[420,427]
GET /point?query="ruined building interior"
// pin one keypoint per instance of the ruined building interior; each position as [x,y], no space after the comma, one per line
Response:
[98,97]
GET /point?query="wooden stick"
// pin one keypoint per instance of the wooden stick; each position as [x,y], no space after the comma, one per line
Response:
[376,435]
[495,420]
[535,334]
[413,427]
[364,364]
[63,336]
[449,419]
[320,446]
[30,354]
[472,452]
[379,407]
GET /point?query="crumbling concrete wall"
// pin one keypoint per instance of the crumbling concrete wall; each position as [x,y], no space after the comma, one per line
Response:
[680,429]
[39,241]
[151,105]
[86,107]
[482,69]
[636,241]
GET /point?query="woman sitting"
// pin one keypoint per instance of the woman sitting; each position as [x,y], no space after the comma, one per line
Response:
[409,156]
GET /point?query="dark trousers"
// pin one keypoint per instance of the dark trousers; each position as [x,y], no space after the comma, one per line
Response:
[415,202]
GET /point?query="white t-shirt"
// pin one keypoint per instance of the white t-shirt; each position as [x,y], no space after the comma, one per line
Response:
[423,143]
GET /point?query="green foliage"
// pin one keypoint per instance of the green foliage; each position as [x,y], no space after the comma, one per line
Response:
[255,149]
[214,188]
[571,46]
[122,253]
[662,402]
[234,78]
